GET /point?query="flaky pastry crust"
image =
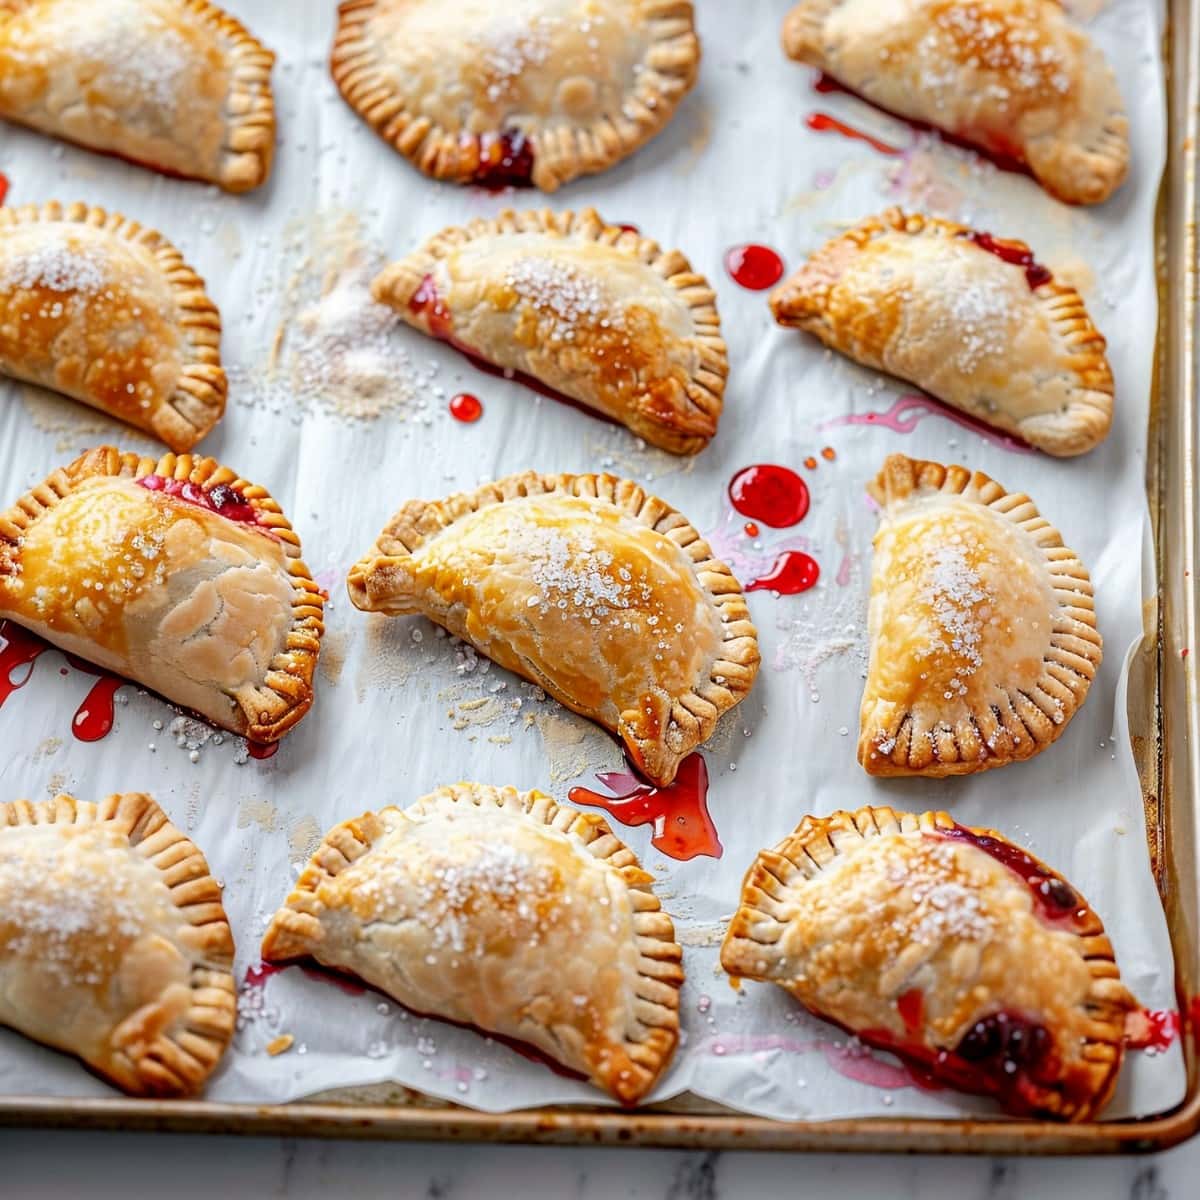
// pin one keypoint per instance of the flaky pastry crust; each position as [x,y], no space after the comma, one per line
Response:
[503,910]
[106,311]
[128,562]
[596,312]
[588,586]
[973,320]
[530,91]
[114,944]
[1014,77]
[981,622]
[947,945]
[179,86]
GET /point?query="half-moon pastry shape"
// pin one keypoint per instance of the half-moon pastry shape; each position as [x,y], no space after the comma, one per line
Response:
[972,319]
[948,946]
[1013,77]
[99,308]
[981,625]
[175,85]
[114,945]
[499,909]
[599,314]
[524,92]
[601,594]
[174,573]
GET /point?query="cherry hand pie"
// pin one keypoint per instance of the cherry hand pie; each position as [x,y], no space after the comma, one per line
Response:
[519,91]
[175,85]
[176,574]
[599,593]
[974,320]
[981,622]
[114,945]
[499,909]
[599,314]
[1013,77]
[97,307]
[948,946]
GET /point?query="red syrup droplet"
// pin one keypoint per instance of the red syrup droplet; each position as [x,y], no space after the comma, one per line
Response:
[820,122]
[1151,1029]
[1016,253]
[829,454]
[466,408]
[262,750]
[825,84]
[790,574]
[505,159]
[754,267]
[95,716]
[769,493]
[3,187]
[18,649]
[1055,900]
[679,812]
[751,529]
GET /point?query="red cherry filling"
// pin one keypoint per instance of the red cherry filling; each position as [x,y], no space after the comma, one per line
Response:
[221,499]
[505,160]
[1016,253]
[1004,1044]
[1055,900]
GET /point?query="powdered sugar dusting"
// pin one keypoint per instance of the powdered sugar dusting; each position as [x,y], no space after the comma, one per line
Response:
[573,298]
[959,602]
[940,905]
[58,267]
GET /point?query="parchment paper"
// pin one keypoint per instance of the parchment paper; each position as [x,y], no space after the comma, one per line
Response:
[400,710]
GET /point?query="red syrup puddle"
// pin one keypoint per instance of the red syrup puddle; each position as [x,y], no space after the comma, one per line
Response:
[18,649]
[466,408]
[1056,901]
[790,574]
[222,499]
[754,267]
[94,718]
[262,750]
[821,122]
[908,411]
[427,303]
[769,493]
[1003,157]
[505,159]
[1151,1029]
[683,828]
[1016,253]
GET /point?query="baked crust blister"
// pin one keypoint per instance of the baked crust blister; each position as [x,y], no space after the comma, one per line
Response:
[981,623]
[106,311]
[217,613]
[1014,77]
[989,331]
[179,86]
[946,945]
[531,91]
[598,592]
[598,313]
[503,910]
[114,945]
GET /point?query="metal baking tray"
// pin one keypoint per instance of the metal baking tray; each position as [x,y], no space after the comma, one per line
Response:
[1164,718]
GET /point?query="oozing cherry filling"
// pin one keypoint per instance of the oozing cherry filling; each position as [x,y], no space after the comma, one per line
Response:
[222,499]
[1005,1044]
[1055,900]
[505,160]
[427,302]
[1016,253]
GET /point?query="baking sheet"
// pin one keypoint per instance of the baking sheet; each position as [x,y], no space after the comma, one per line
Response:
[341,413]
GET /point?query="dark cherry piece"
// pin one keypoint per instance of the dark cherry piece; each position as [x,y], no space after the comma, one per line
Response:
[1016,253]
[222,499]
[505,160]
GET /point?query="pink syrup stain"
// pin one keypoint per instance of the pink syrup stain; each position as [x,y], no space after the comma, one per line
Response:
[854,1062]
[845,568]
[910,410]
[1152,1029]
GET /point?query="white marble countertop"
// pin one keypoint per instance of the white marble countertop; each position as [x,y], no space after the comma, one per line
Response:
[36,1165]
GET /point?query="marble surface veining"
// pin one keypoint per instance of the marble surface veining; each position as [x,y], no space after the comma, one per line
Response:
[66,1166]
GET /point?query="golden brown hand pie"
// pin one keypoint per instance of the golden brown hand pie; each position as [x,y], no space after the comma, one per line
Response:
[176,574]
[973,319]
[113,942]
[949,946]
[981,622]
[518,92]
[499,909]
[599,593]
[175,85]
[599,314]
[1013,77]
[99,308]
